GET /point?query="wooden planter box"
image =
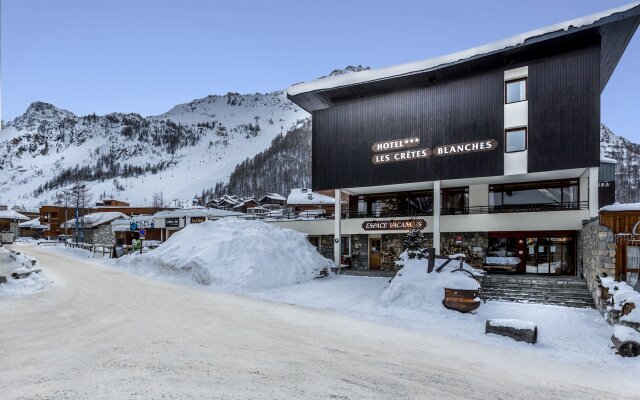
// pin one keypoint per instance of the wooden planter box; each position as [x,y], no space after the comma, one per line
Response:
[463,301]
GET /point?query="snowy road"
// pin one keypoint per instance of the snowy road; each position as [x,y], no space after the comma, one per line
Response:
[102,333]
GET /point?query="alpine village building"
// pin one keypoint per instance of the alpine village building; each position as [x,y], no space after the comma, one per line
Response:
[495,149]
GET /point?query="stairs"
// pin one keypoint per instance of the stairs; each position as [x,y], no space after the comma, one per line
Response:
[568,291]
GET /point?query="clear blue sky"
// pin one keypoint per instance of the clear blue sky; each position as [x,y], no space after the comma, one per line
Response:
[146,56]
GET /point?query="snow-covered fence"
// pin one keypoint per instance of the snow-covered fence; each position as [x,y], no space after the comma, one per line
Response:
[94,248]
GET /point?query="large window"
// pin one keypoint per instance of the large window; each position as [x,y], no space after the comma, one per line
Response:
[515,139]
[455,201]
[417,203]
[515,91]
[535,196]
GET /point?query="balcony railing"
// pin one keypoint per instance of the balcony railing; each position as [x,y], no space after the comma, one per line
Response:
[347,214]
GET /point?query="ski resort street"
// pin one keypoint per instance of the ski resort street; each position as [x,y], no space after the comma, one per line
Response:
[103,333]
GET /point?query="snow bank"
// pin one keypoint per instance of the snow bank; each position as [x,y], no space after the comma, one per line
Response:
[233,253]
[626,334]
[413,287]
[621,292]
[621,207]
[14,287]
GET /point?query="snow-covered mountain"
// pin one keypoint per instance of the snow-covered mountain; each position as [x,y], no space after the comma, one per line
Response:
[627,154]
[242,144]
[127,156]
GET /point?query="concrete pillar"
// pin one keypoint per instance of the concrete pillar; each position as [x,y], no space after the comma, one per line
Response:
[337,228]
[593,191]
[437,200]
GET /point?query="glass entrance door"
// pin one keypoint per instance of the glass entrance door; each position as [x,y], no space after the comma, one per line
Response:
[550,256]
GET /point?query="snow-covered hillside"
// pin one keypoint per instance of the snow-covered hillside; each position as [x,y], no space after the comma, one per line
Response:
[127,156]
[232,143]
[627,154]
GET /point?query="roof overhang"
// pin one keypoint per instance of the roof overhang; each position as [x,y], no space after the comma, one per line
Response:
[611,29]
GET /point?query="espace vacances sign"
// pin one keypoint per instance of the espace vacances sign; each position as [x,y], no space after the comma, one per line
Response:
[408,149]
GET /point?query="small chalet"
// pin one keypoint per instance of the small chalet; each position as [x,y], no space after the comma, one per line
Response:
[273,198]
[245,205]
[94,228]
[32,228]
[305,199]
[10,221]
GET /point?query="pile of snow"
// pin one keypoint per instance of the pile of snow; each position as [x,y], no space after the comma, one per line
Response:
[626,334]
[413,287]
[621,292]
[23,259]
[14,287]
[234,254]
[621,207]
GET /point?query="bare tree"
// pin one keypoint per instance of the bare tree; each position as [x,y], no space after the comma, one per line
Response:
[158,200]
[80,197]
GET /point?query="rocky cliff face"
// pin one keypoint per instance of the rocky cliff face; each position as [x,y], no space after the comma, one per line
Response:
[627,154]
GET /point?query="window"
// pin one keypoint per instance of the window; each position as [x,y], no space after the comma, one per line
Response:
[633,257]
[455,201]
[516,140]
[515,91]
[345,246]
[535,196]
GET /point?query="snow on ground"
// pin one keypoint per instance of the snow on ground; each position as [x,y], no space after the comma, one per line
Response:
[233,253]
[571,334]
[15,287]
[414,288]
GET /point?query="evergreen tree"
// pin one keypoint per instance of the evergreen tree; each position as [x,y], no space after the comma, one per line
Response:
[414,244]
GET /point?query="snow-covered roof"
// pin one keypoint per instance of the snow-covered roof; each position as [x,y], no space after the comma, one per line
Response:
[607,160]
[33,224]
[273,196]
[306,196]
[12,215]
[199,212]
[621,207]
[378,74]
[96,219]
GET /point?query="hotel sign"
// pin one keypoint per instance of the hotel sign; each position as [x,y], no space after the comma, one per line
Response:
[198,220]
[399,144]
[405,149]
[394,225]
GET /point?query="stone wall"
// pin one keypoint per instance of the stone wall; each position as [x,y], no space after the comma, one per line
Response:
[395,242]
[596,256]
[15,228]
[326,246]
[100,235]
[469,240]
[360,251]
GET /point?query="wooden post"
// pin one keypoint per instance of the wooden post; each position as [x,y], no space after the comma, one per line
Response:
[431,260]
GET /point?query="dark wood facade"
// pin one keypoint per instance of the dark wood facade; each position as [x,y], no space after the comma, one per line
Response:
[463,101]
[564,111]
[452,112]
[563,131]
